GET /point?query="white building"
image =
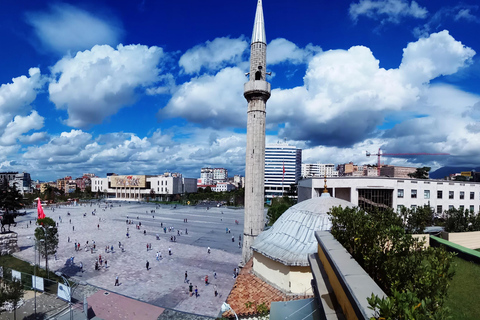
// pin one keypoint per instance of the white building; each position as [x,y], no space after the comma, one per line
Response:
[206,176]
[223,187]
[310,170]
[137,187]
[220,174]
[382,192]
[283,165]
[22,181]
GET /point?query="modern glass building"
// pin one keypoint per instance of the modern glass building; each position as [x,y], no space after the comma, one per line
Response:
[283,168]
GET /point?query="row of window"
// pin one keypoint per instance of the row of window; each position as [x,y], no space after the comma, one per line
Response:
[158,182]
[426,194]
[440,208]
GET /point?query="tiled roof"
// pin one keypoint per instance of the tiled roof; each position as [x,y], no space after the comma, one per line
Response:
[252,291]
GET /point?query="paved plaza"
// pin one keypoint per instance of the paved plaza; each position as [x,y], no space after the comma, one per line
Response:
[163,285]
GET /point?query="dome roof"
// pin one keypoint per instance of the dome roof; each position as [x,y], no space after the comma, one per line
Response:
[292,236]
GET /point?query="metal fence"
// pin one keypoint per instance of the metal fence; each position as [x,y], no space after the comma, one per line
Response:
[49,286]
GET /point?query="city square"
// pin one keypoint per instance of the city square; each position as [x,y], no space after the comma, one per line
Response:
[163,285]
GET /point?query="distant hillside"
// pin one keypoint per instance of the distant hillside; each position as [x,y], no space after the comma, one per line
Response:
[446,171]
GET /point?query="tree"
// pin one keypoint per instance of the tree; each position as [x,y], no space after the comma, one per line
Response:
[10,198]
[420,173]
[12,292]
[416,220]
[278,207]
[49,234]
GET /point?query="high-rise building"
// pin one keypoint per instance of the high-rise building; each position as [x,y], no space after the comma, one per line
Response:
[206,176]
[256,91]
[220,174]
[283,165]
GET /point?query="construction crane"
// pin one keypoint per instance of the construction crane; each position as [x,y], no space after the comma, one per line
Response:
[380,153]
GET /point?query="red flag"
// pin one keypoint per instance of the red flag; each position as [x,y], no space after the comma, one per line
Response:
[283,167]
[40,212]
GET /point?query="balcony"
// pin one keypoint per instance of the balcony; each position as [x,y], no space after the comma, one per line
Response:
[256,88]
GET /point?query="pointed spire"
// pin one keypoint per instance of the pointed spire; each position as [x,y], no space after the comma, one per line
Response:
[259,26]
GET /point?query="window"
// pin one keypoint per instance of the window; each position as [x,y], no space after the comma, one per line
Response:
[462,208]
[426,194]
[462,195]
[413,207]
[472,195]
[472,208]
[414,194]
[400,193]
[439,209]
[399,207]
[439,194]
[450,207]
[450,194]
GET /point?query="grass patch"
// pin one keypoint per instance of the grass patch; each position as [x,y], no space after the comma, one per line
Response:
[11,262]
[462,299]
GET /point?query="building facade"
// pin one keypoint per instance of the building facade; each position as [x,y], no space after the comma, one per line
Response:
[283,165]
[138,187]
[396,171]
[395,193]
[22,181]
[257,92]
[220,174]
[310,170]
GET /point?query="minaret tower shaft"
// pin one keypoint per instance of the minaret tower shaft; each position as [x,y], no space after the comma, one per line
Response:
[257,92]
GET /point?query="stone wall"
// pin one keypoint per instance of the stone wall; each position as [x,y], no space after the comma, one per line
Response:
[8,243]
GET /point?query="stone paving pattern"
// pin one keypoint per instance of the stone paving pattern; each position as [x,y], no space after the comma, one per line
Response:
[163,284]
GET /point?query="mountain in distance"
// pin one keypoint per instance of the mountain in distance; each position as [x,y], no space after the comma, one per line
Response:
[443,172]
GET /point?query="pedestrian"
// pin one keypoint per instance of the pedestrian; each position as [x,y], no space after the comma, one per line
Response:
[147,265]
[214,274]
[186,278]
[73,228]
[208,250]
[81,266]
[106,266]
[116,281]
[190,289]
[119,244]
[111,248]
[169,251]
[233,238]
[147,246]
[215,290]
[196,292]
[234,273]
[186,231]
[98,226]
[145,232]
[206,280]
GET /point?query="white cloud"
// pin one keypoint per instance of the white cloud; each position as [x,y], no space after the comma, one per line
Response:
[66,28]
[19,126]
[97,83]
[465,14]
[387,10]
[213,55]
[215,101]
[429,58]
[281,50]
[16,97]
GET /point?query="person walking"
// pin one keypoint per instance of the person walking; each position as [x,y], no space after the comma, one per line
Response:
[116,281]
[190,289]
[196,292]
[147,265]
[169,251]
[208,250]
[186,277]
[215,290]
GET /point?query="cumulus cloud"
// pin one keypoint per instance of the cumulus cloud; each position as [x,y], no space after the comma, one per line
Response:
[213,100]
[19,126]
[66,28]
[213,55]
[75,152]
[281,50]
[97,83]
[439,54]
[387,10]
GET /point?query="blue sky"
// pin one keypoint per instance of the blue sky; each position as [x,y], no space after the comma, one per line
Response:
[144,87]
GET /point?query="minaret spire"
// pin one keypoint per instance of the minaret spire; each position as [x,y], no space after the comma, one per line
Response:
[257,92]
[259,25]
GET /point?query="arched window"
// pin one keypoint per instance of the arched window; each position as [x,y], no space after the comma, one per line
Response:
[258,75]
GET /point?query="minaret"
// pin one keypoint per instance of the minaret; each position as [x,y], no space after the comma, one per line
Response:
[257,92]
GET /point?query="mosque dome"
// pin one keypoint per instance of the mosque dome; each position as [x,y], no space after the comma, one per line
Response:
[292,237]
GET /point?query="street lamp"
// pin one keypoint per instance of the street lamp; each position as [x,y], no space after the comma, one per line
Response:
[35,277]
[226,307]
[70,293]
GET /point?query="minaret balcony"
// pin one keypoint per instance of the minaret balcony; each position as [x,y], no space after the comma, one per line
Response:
[256,88]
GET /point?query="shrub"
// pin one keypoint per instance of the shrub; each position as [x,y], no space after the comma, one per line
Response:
[395,260]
